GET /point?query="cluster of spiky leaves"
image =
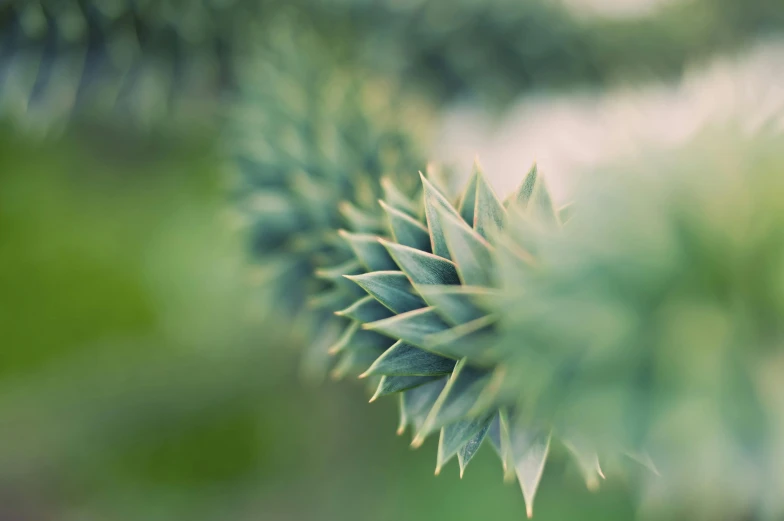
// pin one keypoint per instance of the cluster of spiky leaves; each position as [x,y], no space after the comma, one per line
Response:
[656,321]
[139,57]
[423,321]
[312,140]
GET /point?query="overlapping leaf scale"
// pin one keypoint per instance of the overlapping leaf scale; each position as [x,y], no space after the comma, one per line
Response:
[428,291]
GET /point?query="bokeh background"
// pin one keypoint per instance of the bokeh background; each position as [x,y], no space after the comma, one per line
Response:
[141,376]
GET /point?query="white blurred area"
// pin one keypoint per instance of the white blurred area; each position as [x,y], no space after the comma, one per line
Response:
[616,8]
[567,134]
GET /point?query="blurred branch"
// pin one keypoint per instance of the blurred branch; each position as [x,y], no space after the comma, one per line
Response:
[149,59]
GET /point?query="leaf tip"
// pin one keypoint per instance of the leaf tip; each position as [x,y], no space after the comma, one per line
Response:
[599,469]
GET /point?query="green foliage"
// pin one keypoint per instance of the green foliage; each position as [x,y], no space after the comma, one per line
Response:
[133,387]
[424,326]
[647,331]
[498,49]
[312,141]
[480,315]
[444,301]
[655,323]
[143,61]
[149,61]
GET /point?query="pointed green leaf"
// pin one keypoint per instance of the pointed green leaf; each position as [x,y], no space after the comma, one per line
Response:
[499,439]
[540,206]
[455,304]
[369,340]
[500,387]
[351,267]
[369,252]
[458,397]
[435,200]
[490,213]
[395,384]
[472,340]
[516,253]
[316,358]
[406,360]
[494,434]
[412,327]
[469,251]
[367,309]
[457,435]
[522,195]
[644,459]
[529,447]
[391,288]
[332,300]
[406,230]
[355,338]
[344,339]
[421,267]
[467,451]
[467,204]
[466,386]
[352,362]
[402,421]
[416,403]
[336,275]
[587,460]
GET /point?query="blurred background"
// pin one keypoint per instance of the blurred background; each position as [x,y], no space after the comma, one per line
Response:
[142,376]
